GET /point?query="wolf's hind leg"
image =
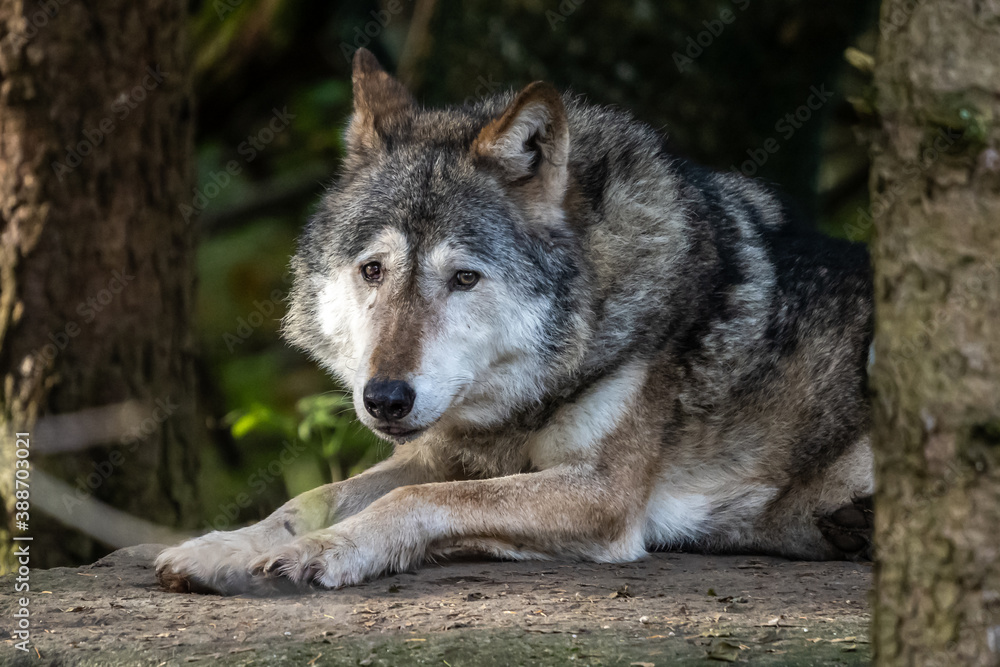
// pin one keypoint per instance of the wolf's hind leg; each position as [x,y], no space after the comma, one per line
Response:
[849,528]
[825,518]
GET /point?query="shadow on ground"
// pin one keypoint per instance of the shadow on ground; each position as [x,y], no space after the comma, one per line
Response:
[669,609]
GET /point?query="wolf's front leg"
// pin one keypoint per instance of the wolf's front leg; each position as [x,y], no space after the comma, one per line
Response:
[566,511]
[222,562]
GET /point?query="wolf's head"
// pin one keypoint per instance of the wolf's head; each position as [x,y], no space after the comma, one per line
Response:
[440,279]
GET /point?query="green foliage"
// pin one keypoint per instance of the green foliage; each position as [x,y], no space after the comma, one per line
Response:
[328,420]
[259,417]
[324,423]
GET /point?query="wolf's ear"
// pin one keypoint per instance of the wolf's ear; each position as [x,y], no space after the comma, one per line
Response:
[530,142]
[378,98]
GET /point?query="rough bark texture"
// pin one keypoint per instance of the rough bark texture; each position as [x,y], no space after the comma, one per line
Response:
[96,262]
[936,205]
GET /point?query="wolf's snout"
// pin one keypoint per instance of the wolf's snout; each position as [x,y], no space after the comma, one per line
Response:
[390,400]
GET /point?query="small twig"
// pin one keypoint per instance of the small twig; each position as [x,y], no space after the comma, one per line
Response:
[416,42]
[99,520]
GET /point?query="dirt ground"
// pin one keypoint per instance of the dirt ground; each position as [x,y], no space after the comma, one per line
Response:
[668,609]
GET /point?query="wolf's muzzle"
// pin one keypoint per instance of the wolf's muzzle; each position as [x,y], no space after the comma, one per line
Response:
[388,400]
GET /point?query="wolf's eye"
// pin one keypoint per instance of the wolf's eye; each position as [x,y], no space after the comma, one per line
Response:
[465,280]
[372,272]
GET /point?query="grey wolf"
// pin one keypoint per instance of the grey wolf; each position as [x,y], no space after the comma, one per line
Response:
[582,346]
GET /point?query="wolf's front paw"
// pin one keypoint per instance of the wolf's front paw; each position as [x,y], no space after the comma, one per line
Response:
[298,563]
[214,563]
[345,555]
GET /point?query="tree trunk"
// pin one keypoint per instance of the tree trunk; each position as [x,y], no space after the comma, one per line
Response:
[96,262]
[935,190]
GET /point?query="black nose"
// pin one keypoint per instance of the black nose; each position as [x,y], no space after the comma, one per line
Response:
[388,399]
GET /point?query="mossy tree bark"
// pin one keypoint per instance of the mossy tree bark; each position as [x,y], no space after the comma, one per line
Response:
[935,189]
[96,262]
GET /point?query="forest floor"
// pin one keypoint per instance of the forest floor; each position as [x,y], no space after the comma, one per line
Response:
[668,609]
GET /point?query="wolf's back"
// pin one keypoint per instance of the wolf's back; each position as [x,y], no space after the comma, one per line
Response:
[764,328]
